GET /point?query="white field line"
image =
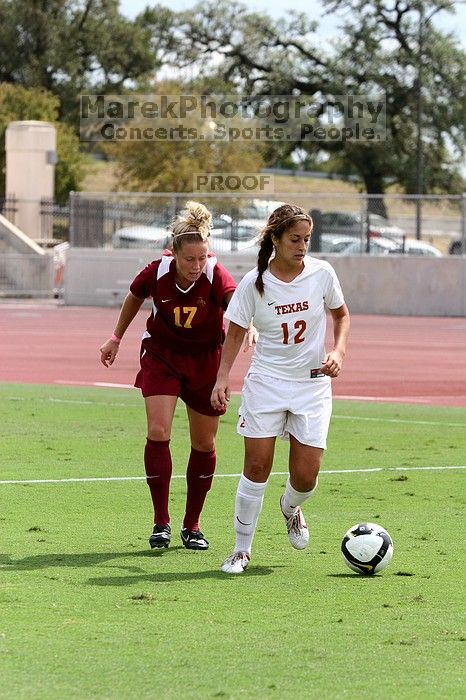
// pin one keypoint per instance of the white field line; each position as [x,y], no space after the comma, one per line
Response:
[400,420]
[335,415]
[378,399]
[108,385]
[88,479]
[384,399]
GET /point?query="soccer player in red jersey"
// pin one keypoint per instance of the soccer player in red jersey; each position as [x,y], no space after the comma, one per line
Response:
[180,355]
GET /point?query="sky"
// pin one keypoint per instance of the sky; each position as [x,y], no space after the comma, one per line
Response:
[278,8]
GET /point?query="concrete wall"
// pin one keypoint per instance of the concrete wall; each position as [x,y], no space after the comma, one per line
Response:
[25,267]
[30,172]
[392,285]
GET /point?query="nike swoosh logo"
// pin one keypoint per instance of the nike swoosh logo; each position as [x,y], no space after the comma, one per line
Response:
[240,521]
[165,300]
[205,476]
[271,303]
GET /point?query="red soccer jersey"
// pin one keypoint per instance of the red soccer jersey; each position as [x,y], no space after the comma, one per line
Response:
[184,321]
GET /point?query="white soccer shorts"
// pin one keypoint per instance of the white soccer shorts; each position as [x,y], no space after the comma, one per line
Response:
[274,407]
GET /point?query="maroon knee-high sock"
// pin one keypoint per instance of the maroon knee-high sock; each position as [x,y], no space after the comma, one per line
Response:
[158,464]
[199,475]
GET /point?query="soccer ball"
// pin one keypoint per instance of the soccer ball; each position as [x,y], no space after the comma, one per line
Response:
[367,548]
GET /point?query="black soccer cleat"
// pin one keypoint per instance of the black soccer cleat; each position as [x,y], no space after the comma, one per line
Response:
[193,539]
[161,536]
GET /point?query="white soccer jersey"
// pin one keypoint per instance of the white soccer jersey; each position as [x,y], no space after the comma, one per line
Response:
[290,318]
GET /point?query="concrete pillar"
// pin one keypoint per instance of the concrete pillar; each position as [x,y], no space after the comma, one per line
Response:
[30,171]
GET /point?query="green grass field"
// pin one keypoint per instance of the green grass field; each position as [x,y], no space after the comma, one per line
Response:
[88,611]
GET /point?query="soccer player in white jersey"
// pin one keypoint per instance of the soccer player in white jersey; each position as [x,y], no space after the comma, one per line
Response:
[287,391]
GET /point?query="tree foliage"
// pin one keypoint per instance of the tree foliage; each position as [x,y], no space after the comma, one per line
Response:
[376,54]
[169,166]
[72,46]
[395,48]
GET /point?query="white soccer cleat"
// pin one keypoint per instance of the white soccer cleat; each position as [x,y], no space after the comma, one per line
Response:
[236,563]
[298,533]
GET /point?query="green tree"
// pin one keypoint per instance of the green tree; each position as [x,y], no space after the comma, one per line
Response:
[377,54]
[73,46]
[386,48]
[18,103]
[169,165]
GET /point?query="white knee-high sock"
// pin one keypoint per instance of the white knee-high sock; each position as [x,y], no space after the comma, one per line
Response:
[292,498]
[248,505]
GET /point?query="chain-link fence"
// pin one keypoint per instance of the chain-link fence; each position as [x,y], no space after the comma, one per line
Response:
[362,223]
[53,226]
[8,208]
[24,275]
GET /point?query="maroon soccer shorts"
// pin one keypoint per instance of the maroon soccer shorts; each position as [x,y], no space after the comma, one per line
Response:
[191,377]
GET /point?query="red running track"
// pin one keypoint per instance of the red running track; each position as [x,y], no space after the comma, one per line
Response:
[390,358]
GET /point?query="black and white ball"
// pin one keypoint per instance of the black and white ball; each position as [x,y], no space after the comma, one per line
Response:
[367,548]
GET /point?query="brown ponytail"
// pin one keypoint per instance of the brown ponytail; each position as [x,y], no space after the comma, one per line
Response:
[263,257]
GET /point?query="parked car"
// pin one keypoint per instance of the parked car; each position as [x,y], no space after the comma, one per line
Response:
[155,235]
[377,246]
[351,224]
[259,208]
[334,242]
[225,236]
[412,246]
[240,238]
[151,236]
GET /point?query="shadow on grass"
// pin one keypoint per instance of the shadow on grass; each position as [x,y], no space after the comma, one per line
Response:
[95,559]
[170,577]
[355,575]
[76,560]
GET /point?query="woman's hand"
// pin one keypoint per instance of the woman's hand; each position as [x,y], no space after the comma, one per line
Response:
[220,394]
[108,352]
[250,339]
[332,364]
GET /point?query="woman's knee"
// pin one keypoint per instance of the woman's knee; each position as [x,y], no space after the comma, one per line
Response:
[303,482]
[203,444]
[158,432]
[256,470]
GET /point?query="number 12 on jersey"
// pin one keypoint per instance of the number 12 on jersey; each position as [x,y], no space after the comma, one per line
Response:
[300,327]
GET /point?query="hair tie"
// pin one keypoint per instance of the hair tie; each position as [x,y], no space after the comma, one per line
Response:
[296,216]
[186,233]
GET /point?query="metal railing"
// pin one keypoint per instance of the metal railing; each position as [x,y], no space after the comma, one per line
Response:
[25,275]
[101,219]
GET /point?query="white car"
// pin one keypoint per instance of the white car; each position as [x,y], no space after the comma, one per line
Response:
[140,236]
[259,209]
[352,224]
[334,243]
[155,235]
[225,236]
[242,238]
[412,246]
[377,246]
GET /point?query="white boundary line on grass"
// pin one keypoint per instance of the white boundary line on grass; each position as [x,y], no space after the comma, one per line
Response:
[337,416]
[398,420]
[378,399]
[224,476]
